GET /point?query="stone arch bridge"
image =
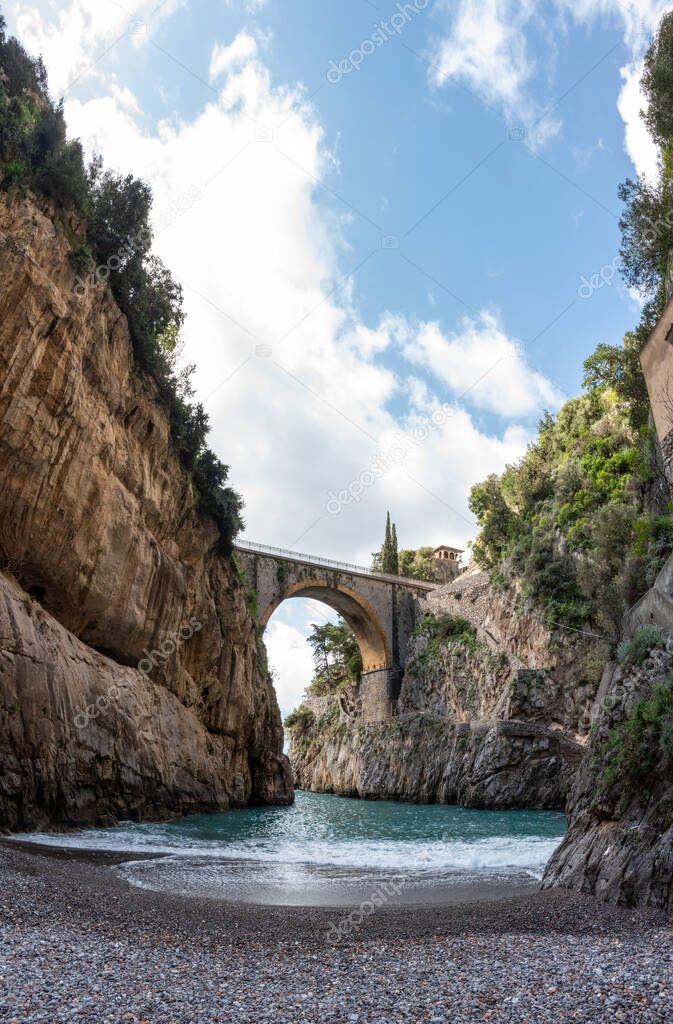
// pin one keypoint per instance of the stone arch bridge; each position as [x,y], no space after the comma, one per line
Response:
[381,610]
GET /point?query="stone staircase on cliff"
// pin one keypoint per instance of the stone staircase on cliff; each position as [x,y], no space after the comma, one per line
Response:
[655,606]
[470,593]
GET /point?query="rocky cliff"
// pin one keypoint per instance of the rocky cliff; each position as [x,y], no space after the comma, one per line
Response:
[132,681]
[426,759]
[492,713]
[619,844]
[524,668]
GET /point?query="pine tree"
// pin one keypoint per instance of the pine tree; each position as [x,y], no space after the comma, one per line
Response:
[394,554]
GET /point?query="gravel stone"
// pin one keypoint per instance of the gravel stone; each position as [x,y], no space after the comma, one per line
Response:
[77,943]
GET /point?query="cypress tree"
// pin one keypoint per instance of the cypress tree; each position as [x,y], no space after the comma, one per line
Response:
[386,560]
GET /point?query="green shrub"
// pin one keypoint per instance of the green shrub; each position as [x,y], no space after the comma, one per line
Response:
[329,717]
[571,520]
[14,172]
[300,719]
[445,627]
[450,633]
[644,742]
[653,545]
[81,258]
[635,649]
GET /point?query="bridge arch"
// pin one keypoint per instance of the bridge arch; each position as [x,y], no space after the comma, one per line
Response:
[380,609]
[353,608]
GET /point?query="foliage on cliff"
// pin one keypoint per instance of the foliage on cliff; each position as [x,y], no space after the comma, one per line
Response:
[583,519]
[444,629]
[572,519]
[647,221]
[641,746]
[337,666]
[419,564]
[300,719]
[36,155]
[442,639]
[337,661]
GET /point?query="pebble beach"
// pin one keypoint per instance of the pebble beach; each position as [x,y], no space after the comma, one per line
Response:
[80,944]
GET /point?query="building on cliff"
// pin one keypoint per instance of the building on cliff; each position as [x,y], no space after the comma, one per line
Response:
[656,360]
[448,561]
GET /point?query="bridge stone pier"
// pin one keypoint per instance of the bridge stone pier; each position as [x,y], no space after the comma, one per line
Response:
[380,609]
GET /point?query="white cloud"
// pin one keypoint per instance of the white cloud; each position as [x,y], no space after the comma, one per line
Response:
[78,34]
[124,99]
[251,6]
[640,147]
[290,657]
[482,365]
[225,58]
[639,18]
[260,263]
[486,47]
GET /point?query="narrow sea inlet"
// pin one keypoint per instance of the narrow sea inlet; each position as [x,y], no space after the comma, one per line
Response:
[333,851]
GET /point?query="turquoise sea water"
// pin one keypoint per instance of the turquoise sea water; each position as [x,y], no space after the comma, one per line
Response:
[328,849]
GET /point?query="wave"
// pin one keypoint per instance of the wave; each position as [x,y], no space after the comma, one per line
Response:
[492,854]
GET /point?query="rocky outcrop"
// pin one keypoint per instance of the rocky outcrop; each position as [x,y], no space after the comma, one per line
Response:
[426,759]
[619,844]
[565,665]
[476,724]
[132,680]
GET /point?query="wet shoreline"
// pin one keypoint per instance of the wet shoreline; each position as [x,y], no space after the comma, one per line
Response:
[394,889]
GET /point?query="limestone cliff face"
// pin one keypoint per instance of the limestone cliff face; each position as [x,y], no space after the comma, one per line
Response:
[107,558]
[501,721]
[619,844]
[427,759]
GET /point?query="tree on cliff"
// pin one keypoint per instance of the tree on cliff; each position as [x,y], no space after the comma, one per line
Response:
[647,220]
[419,564]
[34,150]
[647,236]
[386,560]
[336,657]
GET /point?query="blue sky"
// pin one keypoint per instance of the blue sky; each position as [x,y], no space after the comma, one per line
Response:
[364,247]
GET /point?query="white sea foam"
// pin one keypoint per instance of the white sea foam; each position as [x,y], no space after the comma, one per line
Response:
[492,854]
[328,842]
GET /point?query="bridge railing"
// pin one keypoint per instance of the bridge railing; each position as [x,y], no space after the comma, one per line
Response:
[329,563]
